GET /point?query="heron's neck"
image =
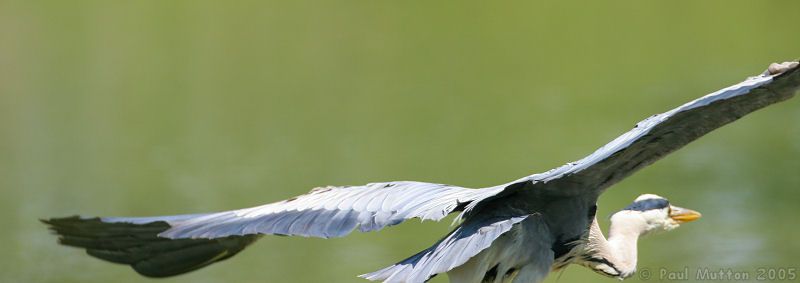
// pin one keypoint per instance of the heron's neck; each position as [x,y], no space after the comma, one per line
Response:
[615,256]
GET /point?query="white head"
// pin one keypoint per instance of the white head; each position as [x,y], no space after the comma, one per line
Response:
[651,213]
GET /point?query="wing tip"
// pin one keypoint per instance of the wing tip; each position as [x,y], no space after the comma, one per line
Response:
[776,69]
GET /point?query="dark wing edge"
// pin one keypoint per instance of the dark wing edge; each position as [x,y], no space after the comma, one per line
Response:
[139,246]
[659,135]
[466,241]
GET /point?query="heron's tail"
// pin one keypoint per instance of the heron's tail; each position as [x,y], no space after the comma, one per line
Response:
[138,245]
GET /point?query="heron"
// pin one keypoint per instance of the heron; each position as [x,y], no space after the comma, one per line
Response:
[516,232]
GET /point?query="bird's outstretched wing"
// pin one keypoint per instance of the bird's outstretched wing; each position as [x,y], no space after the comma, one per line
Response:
[326,212]
[163,246]
[661,134]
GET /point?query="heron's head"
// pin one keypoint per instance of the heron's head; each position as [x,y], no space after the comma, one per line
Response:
[652,213]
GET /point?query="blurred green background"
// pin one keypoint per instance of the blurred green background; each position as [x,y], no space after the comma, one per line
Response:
[134,108]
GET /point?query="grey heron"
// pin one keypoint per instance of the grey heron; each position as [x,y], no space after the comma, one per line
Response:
[517,231]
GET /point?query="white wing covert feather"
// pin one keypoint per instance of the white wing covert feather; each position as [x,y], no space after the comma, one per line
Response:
[327,212]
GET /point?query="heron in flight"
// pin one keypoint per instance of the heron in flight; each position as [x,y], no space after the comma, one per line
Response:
[515,232]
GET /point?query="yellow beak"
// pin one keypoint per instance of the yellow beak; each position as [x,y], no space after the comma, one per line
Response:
[683,215]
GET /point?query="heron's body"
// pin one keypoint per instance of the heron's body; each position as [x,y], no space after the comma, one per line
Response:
[515,232]
[521,254]
[551,237]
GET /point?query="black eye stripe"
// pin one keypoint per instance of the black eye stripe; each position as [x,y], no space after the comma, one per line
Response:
[648,204]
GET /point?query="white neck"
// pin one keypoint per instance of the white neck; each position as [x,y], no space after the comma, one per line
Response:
[615,257]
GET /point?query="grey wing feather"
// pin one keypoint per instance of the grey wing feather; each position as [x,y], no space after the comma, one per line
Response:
[659,135]
[326,212]
[463,243]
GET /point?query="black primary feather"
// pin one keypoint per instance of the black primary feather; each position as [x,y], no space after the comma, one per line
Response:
[139,246]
